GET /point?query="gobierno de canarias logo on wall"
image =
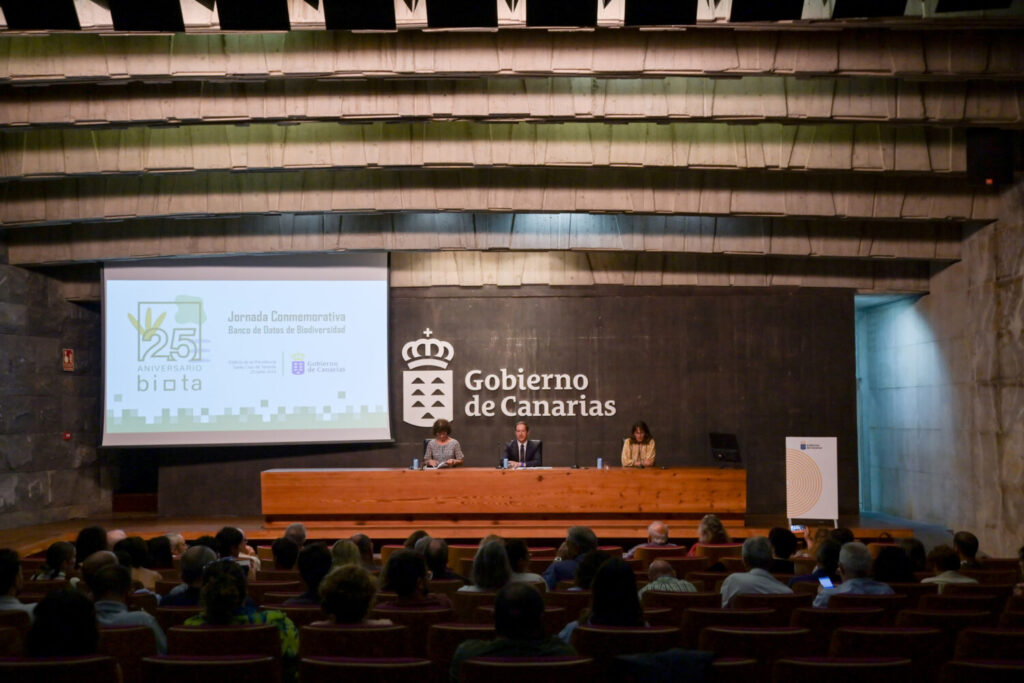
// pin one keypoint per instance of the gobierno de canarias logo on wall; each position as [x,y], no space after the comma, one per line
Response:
[428,389]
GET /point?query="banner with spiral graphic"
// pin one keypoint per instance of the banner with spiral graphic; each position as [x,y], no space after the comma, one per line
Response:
[812,477]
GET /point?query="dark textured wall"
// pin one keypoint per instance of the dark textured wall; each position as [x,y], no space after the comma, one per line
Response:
[44,477]
[763,363]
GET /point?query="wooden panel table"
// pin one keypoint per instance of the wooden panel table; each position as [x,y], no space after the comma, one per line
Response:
[537,502]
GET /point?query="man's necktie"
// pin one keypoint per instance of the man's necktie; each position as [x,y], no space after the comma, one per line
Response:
[522,452]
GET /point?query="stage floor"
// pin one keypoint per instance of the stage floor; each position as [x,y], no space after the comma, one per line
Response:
[34,539]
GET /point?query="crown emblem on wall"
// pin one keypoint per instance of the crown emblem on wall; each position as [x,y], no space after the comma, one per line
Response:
[427,352]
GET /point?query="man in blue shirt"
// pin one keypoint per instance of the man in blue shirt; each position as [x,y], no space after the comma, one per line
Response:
[579,539]
[111,586]
[854,568]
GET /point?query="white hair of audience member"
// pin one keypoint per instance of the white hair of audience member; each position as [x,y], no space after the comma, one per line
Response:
[855,559]
[420,548]
[757,552]
[658,532]
[115,535]
[177,542]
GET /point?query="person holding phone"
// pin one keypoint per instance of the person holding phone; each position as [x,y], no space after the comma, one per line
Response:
[854,568]
[442,450]
[827,554]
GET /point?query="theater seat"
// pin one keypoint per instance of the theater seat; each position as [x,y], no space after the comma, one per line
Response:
[444,639]
[695,619]
[353,640]
[11,642]
[246,639]
[573,602]
[604,642]
[782,603]
[923,646]
[983,671]
[522,670]
[128,645]
[818,669]
[174,616]
[989,643]
[417,620]
[763,644]
[822,623]
[364,670]
[191,669]
[678,602]
[88,669]
[466,603]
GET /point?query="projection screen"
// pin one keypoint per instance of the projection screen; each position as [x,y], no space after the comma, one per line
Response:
[247,350]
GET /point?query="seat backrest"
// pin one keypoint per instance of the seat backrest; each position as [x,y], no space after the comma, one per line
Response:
[417,620]
[992,576]
[364,669]
[165,586]
[175,616]
[12,644]
[697,618]
[817,669]
[258,589]
[16,618]
[989,643]
[782,603]
[763,644]
[179,668]
[147,602]
[128,645]
[44,586]
[444,639]
[985,603]
[678,602]
[646,555]
[914,591]
[604,642]
[553,619]
[950,621]
[278,575]
[572,601]
[822,623]
[715,552]
[242,639]
[892,604]
[354,640]
[301,615]
[466,603]
[924,646]
[447,587]
[518,670]
[712,580]
[87,669]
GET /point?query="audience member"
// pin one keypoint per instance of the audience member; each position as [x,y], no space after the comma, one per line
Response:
[813,537]
[209,541]
[90,539]
[115,536]
[223,598]
[757,556]
[892,566]
[518,612]
[65,626]
[347,594]
[11,582]
[314,564]
[160,556]
[916,555]
[587,570]
[945,562]
[519,560]
[95,562]
[296,533]
[231,543]
[410,542]
[111,587]
[662,577]
[60,563]
[286,552]
[657,537]
[344,552]
[138,559]
[436,556]
[827,555]
[710,531]
[491,570]
[854,568]
[579,540]
[186,594]
[405,573]
[613,601]
[177,543]
[843,535]
[365,546]
[420,547]
[783,543]
[1019,588]
[966,545]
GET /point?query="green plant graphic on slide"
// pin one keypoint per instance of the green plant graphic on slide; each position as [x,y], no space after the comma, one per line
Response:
[180,343]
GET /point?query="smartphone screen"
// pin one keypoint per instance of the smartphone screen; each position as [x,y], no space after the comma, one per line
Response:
[825,582]
[797,527]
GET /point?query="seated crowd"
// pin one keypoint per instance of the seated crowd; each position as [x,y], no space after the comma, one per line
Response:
[107,574]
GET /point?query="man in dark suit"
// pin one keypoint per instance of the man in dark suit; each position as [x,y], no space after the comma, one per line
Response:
[523,451]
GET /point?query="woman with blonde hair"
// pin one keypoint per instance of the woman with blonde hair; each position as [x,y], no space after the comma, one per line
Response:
[343,553]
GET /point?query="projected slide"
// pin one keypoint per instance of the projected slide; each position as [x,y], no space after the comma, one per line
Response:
[248,350]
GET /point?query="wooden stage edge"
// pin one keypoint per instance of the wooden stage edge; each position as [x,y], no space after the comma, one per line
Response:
[29,540]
